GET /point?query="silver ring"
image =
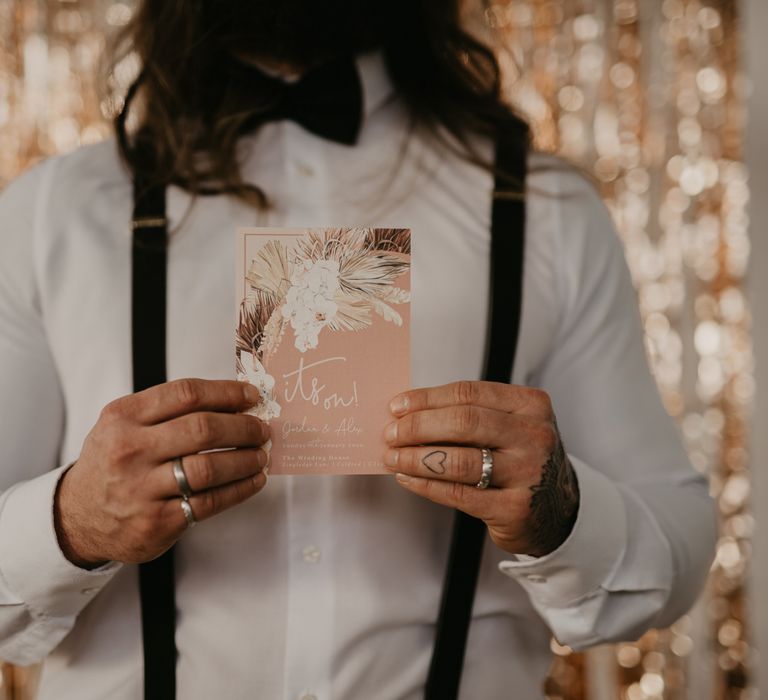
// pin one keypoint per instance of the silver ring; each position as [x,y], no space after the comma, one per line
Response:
[181,479]
[485,479]
[188,514]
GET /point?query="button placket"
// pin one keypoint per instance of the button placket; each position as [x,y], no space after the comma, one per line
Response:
[311,590]
[304,169]
[310,554]
[307,184]
[311,595]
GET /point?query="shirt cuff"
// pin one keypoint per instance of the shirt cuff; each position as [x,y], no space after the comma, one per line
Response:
[32,564]
[591,553]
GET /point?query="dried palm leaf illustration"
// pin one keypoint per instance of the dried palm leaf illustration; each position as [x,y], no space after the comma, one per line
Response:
[270,271]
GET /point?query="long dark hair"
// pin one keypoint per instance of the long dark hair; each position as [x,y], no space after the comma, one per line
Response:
[195,105]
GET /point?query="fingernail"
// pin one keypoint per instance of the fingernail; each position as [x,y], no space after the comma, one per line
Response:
[403,478]
[390,433]
[267,458]
[399,405]
[252,394]
[267,448]
[390,458]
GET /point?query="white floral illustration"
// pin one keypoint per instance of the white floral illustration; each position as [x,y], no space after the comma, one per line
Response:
[332,279]
[309,305]
[254,373]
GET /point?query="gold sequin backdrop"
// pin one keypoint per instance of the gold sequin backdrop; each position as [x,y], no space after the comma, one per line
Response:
[648,96]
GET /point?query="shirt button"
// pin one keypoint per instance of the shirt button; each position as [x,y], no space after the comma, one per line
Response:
[535,578]
[89,591]
[305,170]
[311,555]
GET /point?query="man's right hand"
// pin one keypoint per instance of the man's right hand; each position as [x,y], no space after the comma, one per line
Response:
[120,500]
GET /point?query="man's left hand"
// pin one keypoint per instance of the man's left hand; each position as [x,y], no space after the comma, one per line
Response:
[436,446]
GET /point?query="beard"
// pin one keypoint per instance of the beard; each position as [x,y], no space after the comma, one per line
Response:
[304,33]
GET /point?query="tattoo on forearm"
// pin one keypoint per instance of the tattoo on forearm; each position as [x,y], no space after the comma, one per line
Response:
[554,503]
[435,461]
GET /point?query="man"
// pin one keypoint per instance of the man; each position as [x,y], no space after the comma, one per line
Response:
[326,587]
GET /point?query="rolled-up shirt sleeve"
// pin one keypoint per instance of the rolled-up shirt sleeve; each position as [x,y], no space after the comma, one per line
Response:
[643,541]
[41,592]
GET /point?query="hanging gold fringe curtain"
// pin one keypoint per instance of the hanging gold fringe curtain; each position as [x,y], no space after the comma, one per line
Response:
[650,98]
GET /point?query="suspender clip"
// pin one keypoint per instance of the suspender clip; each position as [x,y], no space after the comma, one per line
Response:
[149,222]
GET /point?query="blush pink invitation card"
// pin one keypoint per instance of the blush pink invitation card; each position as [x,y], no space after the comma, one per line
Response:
[323,331]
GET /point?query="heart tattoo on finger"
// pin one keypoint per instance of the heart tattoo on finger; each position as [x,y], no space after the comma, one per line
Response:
[435,461]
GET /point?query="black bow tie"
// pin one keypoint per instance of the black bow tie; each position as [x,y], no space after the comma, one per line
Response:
[327,101]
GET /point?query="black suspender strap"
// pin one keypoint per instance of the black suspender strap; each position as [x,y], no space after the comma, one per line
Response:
[505,303]
[156,579]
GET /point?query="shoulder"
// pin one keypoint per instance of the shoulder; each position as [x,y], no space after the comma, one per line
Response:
[89,171]
[79,191]
[572,232]
[570,192]
[75,177]
[578,222]
[74,192]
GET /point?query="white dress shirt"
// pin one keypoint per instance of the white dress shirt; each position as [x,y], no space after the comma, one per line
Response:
[329,587]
